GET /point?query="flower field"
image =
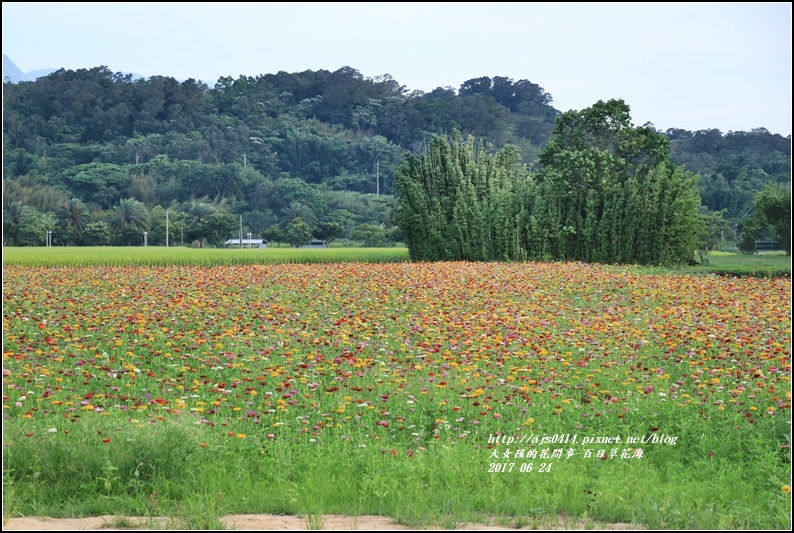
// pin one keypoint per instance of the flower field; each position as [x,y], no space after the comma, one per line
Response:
[404,389]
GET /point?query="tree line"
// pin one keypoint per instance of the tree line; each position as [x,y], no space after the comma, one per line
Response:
[606,192]
[331,141]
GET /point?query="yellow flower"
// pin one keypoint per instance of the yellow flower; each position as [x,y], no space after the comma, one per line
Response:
[786,489]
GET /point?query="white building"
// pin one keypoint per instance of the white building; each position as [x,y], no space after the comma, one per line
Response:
[247,243]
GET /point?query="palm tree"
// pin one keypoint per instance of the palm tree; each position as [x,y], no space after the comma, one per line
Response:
[129,212]
[74,214]
[201,213]
[12,218]
[297,210]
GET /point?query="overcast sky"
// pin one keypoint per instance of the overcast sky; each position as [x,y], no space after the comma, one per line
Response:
[684,65]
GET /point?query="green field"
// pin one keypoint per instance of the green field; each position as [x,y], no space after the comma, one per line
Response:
[161,256]
[764,264]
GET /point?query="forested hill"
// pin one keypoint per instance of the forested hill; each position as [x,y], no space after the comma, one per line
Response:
[326,140]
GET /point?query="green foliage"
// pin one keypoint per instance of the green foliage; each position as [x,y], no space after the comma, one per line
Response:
[716,232]
[773,214]
[206,224]
[297,210]
[298,232]
[129,212]
[370,235]
[33,229]
[328,140]
[610,193]
[328,231]
[607,193]
[74,216]
[458,200]
[34,192]
[274,234]
[12,218]
[734,166]
[96,234]
[101,184]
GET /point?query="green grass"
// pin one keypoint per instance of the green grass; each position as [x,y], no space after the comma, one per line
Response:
[162,256]
[333,477]
[769,264]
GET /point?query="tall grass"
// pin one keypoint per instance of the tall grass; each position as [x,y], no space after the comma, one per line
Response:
[152,256]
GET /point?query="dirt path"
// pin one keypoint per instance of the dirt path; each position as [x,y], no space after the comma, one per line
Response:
[273,522]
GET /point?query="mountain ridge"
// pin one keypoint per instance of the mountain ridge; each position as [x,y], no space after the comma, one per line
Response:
[15,75]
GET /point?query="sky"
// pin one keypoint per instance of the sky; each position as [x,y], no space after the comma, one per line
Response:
[693,66]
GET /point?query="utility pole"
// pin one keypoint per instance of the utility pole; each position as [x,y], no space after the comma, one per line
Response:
[377,178]
[241,232]
[136,158]
[166,228]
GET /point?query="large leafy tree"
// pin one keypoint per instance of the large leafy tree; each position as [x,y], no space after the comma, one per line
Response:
[96,234]
[370,235]
[611,193]
[772,215]
[34,227]
[298,232]
[98,183]
[607,192]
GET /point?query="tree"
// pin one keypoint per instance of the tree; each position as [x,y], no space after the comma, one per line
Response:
[200,215]
[297,210]
[34,227]
[459,200]
[74,216]
[772,207]
[715,231]
[12,219]
[370,235]
[611,193]
[98,183]
[96,234]
[217,229]
[129,212]
[298,232]
[328,231]
[274,234]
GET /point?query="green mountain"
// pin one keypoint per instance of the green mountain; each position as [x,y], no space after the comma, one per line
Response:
[330,141]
